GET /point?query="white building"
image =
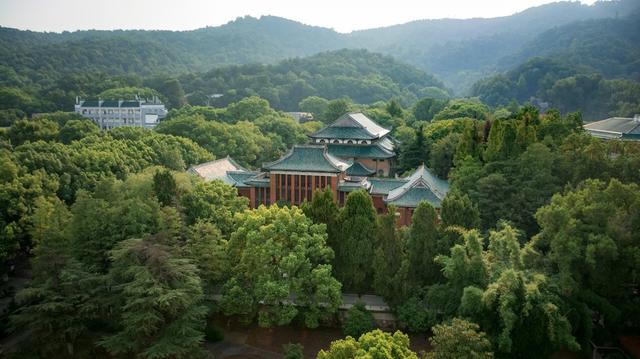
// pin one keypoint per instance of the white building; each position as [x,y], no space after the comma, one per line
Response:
[108,113]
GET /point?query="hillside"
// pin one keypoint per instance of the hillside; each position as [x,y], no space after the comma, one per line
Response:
[457,51]
[592,66]
[362,76]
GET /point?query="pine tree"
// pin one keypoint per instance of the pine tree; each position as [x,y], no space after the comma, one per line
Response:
[158,302]
[165,187]
[415,153]
[423,246]
[387,260]
[356,242]
[323,210]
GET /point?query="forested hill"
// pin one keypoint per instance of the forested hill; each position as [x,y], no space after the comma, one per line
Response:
[458,51]
[592,66]
[362,76]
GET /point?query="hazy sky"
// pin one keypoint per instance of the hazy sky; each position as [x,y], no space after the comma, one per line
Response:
[341,15]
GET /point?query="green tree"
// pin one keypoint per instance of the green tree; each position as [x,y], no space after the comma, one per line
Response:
[324,210]
[158,301]
[425,109]
[214,202]
[375,344]
[442,154]
[589,243]
[316,105]
[358,321]
[394,109]
[458,210]
[358,225]
[459,339]
[387,260]
[62,298]
[77,129]
[172,90]
[277,254]
[415,153]
[335,109]
[423,246]
[32,130]
[165,187]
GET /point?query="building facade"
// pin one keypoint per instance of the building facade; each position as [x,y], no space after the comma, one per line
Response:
[293,178]
[109,114]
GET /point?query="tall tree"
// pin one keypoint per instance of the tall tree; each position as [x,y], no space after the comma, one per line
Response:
[387,260]
[423,246]
[323,210]
[277,254]
[458,210]
[415,153]
[356,245]
[158,301]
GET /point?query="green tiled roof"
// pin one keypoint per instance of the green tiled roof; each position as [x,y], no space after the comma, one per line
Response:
[238,178]
[384,185]
[360,170]
[354,125]
[421,185]
[90,103]
[130,104]
[415,195]
[350,186]
[360,151]
[308,158]
[343,132]
[109,104]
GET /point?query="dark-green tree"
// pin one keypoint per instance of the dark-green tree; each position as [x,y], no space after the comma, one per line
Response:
[358,225]
[157,302]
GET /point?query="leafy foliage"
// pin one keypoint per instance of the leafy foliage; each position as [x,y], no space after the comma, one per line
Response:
[375,344]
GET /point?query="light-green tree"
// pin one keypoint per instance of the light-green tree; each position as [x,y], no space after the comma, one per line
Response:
[214,202]
[459,339]
[278,256]
[375,344]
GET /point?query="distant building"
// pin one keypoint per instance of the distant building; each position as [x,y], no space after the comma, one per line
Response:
[301,117]
[111,113]
[341,166]
[622,128]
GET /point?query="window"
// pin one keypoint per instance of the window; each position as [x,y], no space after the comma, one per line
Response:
[350,142]
[320,141]
[336,141]
[364,142]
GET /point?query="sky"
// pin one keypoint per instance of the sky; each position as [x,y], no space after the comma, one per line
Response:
[340,15]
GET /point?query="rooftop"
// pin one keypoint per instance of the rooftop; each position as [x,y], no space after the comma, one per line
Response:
[216,169]
[421,185]
[615,127]
[308,158]
[359,170]
[360,151]
[352,125]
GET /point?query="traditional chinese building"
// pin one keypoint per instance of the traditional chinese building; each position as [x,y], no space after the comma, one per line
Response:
[343,167]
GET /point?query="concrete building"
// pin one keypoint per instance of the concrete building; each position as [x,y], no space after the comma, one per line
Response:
[116,113]
[621,128]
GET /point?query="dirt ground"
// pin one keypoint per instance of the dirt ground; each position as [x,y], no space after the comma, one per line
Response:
[266,343]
